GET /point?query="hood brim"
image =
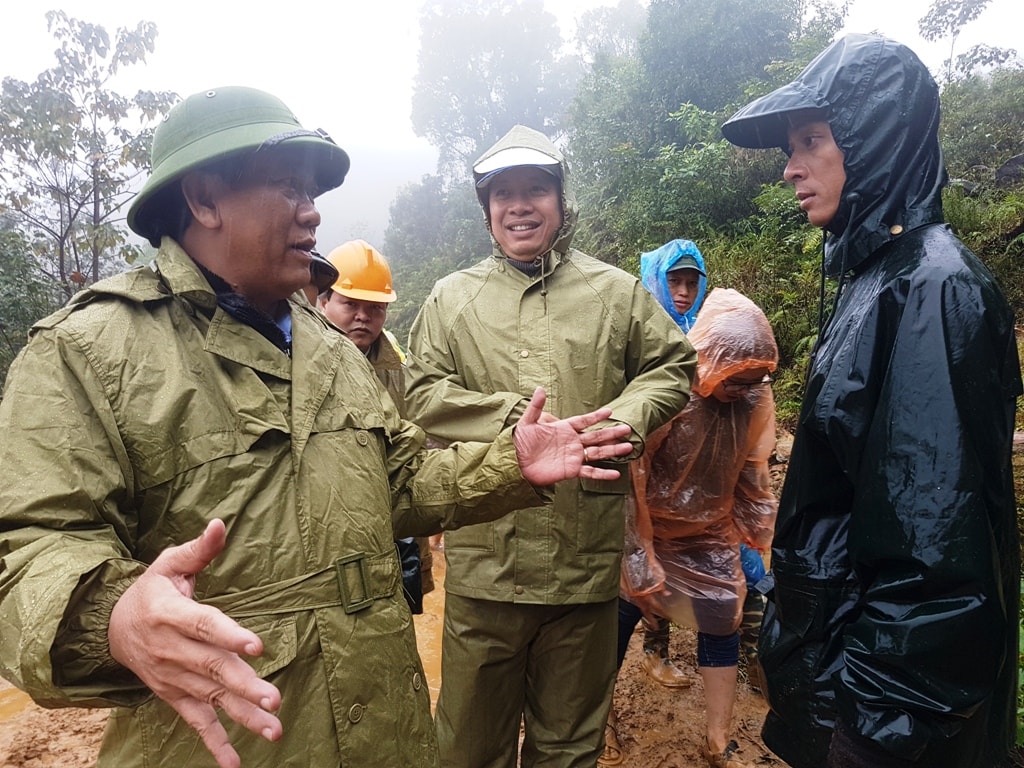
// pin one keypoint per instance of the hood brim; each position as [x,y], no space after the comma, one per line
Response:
[765,122]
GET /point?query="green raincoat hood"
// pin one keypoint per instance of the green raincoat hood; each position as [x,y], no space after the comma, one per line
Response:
[522,137]
[883,107]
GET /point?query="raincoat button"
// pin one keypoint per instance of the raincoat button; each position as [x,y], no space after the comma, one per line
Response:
[417,681]
[519,590]
[361,438]
[896,229]
[525,353]
[355,713]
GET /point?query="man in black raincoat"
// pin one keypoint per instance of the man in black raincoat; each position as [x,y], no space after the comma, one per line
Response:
[890,638]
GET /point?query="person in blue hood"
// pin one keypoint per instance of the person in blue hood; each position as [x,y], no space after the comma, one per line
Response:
[890,637]
[675,275]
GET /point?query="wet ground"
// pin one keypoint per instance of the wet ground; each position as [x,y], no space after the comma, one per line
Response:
[658,727]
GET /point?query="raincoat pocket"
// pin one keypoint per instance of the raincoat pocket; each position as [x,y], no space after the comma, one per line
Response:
[280,640]
[800,626]
[600,515]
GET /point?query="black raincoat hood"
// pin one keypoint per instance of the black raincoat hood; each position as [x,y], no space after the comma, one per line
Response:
[890,634]
[883,107]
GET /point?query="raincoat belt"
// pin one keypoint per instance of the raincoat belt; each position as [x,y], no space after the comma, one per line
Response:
[353,582]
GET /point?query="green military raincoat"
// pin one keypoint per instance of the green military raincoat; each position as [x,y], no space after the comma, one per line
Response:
[143,410]
[484,339]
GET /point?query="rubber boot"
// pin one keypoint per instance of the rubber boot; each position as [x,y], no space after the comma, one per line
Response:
[656,660]
[750,630]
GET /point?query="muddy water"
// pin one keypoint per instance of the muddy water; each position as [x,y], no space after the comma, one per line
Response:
[428,628]
[12,701]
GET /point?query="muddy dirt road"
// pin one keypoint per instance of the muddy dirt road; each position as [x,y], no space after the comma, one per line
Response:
[658,727]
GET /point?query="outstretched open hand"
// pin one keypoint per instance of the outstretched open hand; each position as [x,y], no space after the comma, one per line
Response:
[550,450]
[189,654]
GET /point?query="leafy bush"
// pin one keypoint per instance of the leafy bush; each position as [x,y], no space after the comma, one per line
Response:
[991,223]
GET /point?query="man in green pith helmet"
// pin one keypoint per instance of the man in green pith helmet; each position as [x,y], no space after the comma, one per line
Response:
[201,481]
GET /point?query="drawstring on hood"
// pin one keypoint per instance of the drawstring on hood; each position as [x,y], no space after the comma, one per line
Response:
[852,199]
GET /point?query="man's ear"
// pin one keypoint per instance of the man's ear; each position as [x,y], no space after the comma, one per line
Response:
[202,192]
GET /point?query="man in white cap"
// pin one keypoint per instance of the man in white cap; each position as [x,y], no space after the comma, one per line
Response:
[531,602]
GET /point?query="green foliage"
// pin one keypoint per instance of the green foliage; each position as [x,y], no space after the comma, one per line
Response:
[705,52]
[611,31]
[484,66]
[692,190]
[982,123]
[70,148]
[992,225]
[26,295]
[644,145]
[947,18]
[434,230]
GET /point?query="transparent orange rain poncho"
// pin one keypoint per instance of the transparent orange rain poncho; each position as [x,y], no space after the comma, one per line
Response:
[706,479]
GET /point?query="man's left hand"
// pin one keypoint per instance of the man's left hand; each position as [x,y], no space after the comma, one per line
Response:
[550,450]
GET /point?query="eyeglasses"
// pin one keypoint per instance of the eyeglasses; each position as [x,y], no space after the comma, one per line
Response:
[745,386]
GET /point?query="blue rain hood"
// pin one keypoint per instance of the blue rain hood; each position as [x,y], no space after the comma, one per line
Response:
[656,264]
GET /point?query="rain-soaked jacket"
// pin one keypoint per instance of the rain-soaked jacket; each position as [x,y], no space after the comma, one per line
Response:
[592,336]
[654,269]
[896,554]
[703,485]
[142,411]
[386,358]
[388,365]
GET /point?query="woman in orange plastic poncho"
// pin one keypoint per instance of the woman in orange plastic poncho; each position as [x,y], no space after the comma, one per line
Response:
[707,490]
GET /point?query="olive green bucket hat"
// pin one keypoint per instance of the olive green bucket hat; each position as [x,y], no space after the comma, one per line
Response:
[217,123]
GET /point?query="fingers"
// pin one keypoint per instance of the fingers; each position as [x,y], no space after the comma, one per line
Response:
[604,452]
[251,708]
[607,443]
[203,718]
[535,408]
[584,420]
[188,653]
[220,678]
[190,558]
[211,626]
[598,473]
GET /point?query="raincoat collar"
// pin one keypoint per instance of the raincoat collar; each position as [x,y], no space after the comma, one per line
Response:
[882,105]
[226,337]
[654,268]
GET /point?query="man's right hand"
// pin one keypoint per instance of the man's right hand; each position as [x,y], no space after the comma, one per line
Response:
[189,654]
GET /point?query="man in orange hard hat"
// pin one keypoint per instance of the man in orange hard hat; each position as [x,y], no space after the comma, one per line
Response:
[357,302]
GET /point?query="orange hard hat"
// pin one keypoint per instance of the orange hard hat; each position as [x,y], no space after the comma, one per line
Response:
[363,273]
